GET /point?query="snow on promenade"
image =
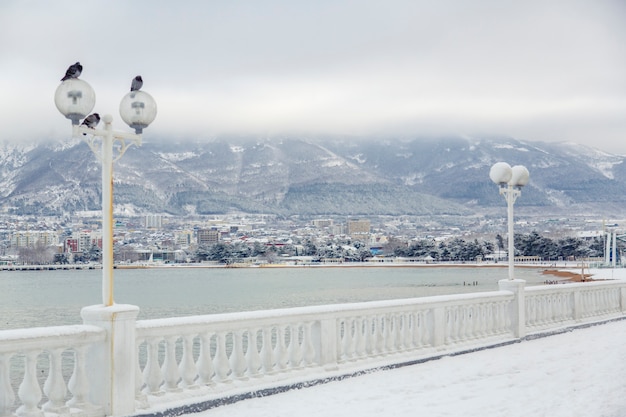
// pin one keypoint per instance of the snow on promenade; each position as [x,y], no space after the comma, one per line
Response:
[577,373]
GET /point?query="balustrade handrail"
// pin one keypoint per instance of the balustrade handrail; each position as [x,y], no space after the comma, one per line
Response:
[222,321]
[53,337]
[574,286]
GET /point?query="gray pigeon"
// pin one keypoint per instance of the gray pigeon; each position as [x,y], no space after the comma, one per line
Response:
[91,121]
[73,71]
[136,84]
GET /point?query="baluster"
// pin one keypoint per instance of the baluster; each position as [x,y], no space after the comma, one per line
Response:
[252,354]
[584,295]
[267,350]
[505,316]
[409,329]
[614,300]
[564,312]
[380,335]
[294,346]
[494,319]
[554,308]
[489,320]
[551,309]
[530,311]
[601,302]
[428,328]
[375,335]
[448,325]
[281,349]
[545,313]
[470,332]
[469,321]
[416,329]
[7,396]
[78,384]
[457,324]
[54,387]
[359,340]
[29,392]
[484,320]
[307,342]
[477,322]
[561,313]
[205,362]
[141,400]
[390,340]
[220,362]
[339,324]
[419,328]
[348,339]
[170,367]
[388,332]
[592,304]
[152,376]
[465,323]
[399,339]
[237,359]
[187,367]
[498,309]
[369,339]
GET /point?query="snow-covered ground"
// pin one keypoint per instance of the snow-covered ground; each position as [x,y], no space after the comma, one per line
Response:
[578,373]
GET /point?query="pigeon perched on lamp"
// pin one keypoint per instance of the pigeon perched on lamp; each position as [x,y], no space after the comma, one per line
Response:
[91,121]
[73,71]
[136,83]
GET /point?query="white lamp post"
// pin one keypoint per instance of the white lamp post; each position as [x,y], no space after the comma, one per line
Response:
[75,99]
[510,180]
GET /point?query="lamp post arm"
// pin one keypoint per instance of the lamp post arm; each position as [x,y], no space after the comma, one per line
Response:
[89,135]
[124,145]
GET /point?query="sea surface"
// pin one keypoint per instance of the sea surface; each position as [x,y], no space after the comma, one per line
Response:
[51,298]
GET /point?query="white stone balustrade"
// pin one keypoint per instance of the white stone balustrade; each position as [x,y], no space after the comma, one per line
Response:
[116,365]
[559,305]
[30,354]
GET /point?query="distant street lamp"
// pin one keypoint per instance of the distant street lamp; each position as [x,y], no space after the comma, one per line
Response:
[510,180]
[75,99]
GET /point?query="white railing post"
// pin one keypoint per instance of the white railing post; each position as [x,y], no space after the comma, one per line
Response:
[7,397]
[577,306]
[54,387]
[29,390]
[517,311]
[112,363]
[439,327]
[324,334]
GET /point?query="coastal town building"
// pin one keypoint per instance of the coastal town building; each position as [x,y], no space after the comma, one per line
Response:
[154,221]
[30,238]
[208,236]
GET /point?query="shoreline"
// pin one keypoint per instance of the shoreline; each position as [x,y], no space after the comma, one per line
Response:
[563,273]
[346,265]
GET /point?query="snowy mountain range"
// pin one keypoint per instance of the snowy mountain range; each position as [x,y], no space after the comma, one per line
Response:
[320,176]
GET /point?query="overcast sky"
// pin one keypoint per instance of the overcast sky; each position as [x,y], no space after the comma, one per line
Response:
[531,69]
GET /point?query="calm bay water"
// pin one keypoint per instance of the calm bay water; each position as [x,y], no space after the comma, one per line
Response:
[49,298]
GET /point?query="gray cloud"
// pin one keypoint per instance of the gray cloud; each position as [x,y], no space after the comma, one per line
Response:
[536,70]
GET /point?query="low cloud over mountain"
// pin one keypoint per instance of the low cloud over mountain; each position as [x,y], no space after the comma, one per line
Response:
[320,176]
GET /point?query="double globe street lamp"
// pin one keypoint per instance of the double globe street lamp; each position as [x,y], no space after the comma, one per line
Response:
[75,99]
[510,180]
